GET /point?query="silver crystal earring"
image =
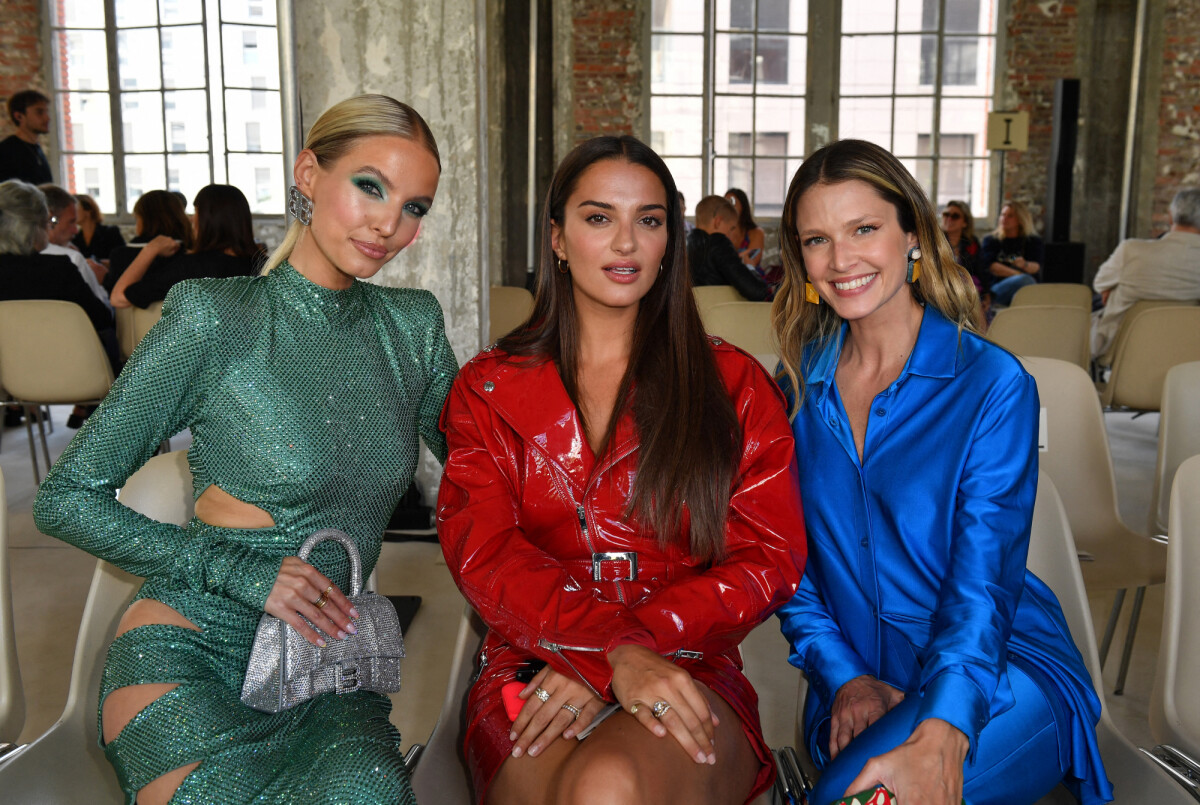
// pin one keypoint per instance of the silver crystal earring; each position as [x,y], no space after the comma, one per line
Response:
[299,205]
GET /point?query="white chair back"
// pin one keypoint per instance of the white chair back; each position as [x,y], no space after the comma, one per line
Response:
[508,308]
[743,324]
[1070,294]
[39,333]
[1156,340]
[1178,437]
[1044,331]
[12,695]
[708,296]
[133,323]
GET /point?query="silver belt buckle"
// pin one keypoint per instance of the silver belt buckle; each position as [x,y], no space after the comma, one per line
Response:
[598,559]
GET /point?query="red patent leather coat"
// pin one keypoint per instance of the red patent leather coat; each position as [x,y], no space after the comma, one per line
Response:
[535,532]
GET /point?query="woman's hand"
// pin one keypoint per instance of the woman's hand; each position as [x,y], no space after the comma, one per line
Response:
[859,703]
[539,723]
[925,769]
[163,246]
[1002,270]
[641,678]
[298,588]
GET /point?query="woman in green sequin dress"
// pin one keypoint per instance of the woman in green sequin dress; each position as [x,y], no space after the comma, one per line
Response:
[305,391]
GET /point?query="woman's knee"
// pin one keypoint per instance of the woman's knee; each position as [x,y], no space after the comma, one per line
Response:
[123,704]
[604,776]
[148,612]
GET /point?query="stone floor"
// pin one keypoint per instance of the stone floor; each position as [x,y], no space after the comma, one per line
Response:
[50,583]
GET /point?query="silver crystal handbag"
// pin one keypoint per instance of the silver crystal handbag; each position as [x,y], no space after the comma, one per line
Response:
[285,669]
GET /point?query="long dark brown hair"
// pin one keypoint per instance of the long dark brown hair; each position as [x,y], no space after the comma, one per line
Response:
[690,439]
[162,213]
[943,283]
[223,221]
[745,214]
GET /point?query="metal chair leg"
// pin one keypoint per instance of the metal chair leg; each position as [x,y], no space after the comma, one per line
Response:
[1134,615]
[1111,626]
[37,478]
[41,422]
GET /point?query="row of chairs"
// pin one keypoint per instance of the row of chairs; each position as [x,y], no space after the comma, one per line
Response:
[162,489]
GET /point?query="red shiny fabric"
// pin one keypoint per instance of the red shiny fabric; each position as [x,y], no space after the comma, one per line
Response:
[524,505]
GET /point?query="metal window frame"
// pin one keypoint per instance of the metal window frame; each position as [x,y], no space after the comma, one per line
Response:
[282,31]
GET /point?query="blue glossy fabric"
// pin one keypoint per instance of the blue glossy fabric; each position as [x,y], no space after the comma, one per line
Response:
[916,571]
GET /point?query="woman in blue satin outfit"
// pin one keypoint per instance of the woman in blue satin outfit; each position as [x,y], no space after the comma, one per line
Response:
[938,665]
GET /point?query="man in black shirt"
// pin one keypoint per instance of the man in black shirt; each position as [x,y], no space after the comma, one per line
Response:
[21,157]
[712,258]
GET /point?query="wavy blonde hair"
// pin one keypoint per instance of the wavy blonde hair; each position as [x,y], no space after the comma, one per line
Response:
[943,283]
[344,124]
[1024,221]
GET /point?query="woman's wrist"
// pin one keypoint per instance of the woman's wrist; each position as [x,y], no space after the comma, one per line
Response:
[943,733]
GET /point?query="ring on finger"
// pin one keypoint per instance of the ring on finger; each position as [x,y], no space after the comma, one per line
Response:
[322,600]
[633,708]
[575,711]
[660,708]
[542,694]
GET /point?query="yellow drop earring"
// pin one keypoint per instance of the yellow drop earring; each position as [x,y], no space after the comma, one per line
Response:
[811,295]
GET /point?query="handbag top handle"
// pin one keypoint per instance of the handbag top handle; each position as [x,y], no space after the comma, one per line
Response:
[344,540]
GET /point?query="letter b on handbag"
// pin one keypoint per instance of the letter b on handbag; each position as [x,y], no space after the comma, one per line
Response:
[285,669]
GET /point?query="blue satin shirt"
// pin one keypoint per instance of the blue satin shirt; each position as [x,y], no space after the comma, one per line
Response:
[916,556]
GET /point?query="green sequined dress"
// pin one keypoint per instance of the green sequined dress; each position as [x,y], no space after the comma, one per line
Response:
[306,402]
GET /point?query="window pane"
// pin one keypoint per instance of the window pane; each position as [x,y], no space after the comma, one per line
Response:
[143,174]
[785,118]
[175,12]
[916,15]
[867,65]
[676,64]
[868,16]
[142,121]
[134,12]
[793,82]
[182,65]
[734,70]
[85,121]
[733,124]
[77,14]
[251,56]
[770,185]
[187,173]
[922,171]
[676,125]
[687,180]
[965,116]
[253,120]
[261,178]
[92,174]
[772,59]
[788,16]
[916,63]
[729,173]
[138,58]
[677,16]
[969,17]
[970,65]
[914,119]
[866,119]
[187,121]
[82,60]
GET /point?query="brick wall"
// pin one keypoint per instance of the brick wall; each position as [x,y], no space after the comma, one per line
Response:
[608,68]
[1178,160]
[1042,47]
[20,51]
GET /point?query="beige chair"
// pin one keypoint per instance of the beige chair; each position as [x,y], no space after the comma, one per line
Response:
[1074,453]
[1044,331]
[133,323]
[50,355]
[707,296]
[439,773]
[1178,437]
[66,764]
[1070,294]
[1156,340]
[1175,703]
[743,324]
[508,308]
[12,696]
[1137,309]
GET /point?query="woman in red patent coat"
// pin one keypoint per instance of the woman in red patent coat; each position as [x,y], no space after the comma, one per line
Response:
[620,506]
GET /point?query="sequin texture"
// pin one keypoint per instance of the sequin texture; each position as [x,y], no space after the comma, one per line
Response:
[306,402]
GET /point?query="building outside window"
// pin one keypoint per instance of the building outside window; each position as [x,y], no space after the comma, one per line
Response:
[171,95]
[729,91]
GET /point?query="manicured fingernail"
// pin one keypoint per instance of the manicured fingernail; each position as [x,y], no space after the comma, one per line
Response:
[342,635]
[660,731]
[712,759]
[533,750]
[353,612]
[516,751]
[512,736]
[701,757]
[320,642]
[352,629]
[569,734]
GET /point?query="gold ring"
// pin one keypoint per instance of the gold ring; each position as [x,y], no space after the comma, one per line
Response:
[322,601]
[633,708]
[660,708]
[575,711]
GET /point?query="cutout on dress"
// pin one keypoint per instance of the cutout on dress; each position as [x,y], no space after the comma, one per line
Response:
[216,507]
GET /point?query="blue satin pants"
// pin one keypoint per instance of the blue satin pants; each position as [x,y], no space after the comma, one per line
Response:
[1019,758]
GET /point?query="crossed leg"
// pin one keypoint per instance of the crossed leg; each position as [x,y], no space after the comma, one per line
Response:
[623,762]
[123,704]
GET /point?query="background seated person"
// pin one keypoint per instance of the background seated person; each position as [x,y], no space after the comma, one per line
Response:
[1166,268]
[753,238]
[224,247]
[155,213]
[1012,255]
[711,256]
[63,211]
[95,239]
[25,274]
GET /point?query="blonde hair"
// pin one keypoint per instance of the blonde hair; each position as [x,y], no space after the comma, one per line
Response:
[1024,221]
[344,124]
[943,283]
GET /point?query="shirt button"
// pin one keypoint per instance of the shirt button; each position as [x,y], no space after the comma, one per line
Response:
[880,411]
[863,542]
[489,385]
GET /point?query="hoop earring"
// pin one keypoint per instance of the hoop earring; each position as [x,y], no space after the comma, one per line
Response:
[299,205]
[810,294]
[563,266]
[914,264]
